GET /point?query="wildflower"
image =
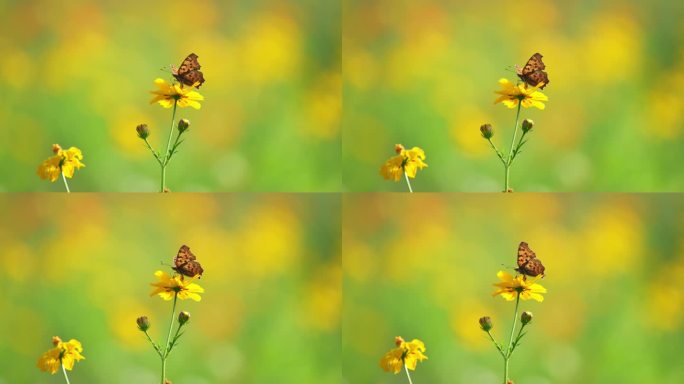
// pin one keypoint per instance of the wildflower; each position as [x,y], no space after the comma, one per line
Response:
[65,354]
[486,323]
[169,286]
[510,287]
[407,161]
[405,354]
[168,94]
[526,317]
[63,162]
[528,96]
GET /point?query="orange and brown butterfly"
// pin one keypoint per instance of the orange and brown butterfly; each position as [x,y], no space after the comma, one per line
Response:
[186,263]
[189,71]
[528,264]
[533,71]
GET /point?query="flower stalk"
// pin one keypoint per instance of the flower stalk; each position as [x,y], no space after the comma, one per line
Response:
[513,288]
[514,96]
[66,377]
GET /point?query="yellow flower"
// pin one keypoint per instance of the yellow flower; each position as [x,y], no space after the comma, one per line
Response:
[408,161]
[408,354]
[510,287]
[168,286]
[512,94]
[167,94]
[64,161]
[62,354]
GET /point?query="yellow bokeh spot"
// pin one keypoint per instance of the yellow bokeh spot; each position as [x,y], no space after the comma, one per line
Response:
[271,49]
[464,129]
[122,131]
[324,103]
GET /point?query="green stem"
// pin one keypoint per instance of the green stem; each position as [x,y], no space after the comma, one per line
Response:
[156,347]
[68,191]
[65,374]
[407,374]
[496,344]
[510,341]
[509,162]
[498,153]
[168,339]
[409,185]
[156,156]
[168,147]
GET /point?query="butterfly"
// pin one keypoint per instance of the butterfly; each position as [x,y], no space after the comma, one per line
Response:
[528,264]
[533,72]
[186,263]
[189,71]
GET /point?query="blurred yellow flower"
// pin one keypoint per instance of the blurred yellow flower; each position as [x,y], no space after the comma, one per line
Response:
[406,161]
[510,287]
[408,354]
[168,94]
[169,286]
[62,354]
[528,96]
[64,161]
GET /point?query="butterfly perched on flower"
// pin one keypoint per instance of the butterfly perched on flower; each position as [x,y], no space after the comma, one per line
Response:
[186,263]
[189,71]
[528,264]
[533,71]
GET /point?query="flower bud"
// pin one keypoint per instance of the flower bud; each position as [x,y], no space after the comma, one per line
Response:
[143,131]
[56,340]
[183,125]
[486,323]
[398,341]
[398,148]
[487,131]
[143,323]
[527,125]
[526,317]
[56,148]
[183,317]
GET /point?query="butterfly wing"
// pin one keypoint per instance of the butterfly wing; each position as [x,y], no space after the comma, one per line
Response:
[534,64]
[534,267]
[189,71]
[528,264]
[533,71]
[186,263]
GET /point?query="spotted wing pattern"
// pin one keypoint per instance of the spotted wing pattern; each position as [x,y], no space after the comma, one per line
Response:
[189,71]
[533,71]
[186,263]
[528,264]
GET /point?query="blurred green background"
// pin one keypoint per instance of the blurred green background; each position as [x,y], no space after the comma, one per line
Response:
[423,73]
[422,266]
[78,73]
[80,266]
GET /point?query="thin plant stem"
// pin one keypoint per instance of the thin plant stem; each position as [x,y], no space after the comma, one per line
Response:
[510,341]
[156,347]
[498,153]
[168,147]
[509,161]
[496,344]
[156,156]
[168,339]
[66,185]
[65,374]
[408,182]
[407,374]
